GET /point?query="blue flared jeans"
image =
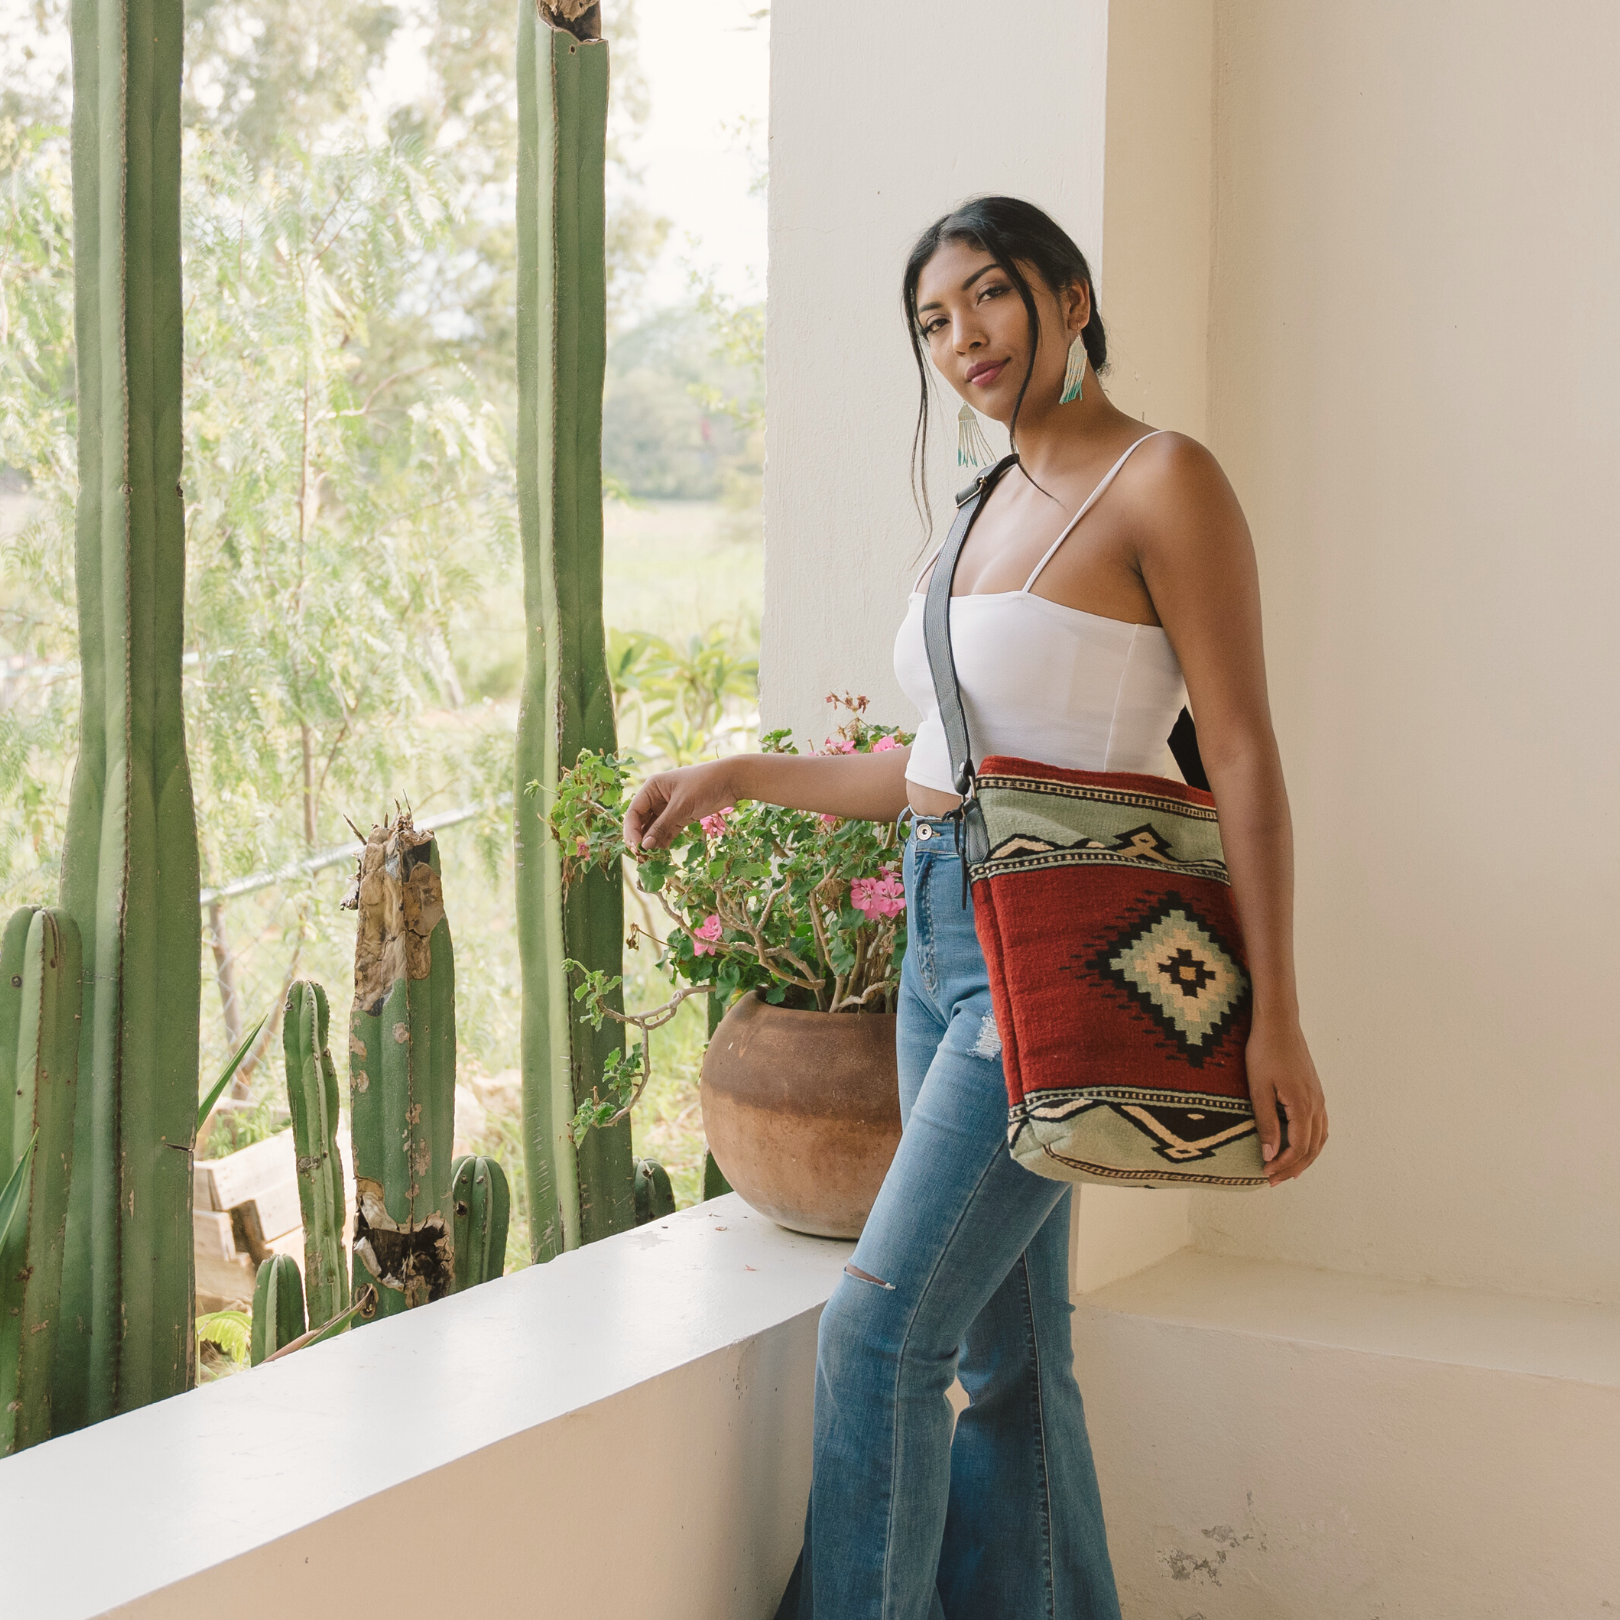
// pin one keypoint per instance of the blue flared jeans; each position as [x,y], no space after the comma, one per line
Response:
[969,1252]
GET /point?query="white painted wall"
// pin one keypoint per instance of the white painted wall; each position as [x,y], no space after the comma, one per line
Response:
[882,118]
[1414,342]
[1369,253]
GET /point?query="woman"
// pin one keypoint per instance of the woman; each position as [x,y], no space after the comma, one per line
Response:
[1110,566]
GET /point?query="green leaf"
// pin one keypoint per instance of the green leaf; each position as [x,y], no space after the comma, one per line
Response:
[207,1105]
[232,1331]
[13,1194]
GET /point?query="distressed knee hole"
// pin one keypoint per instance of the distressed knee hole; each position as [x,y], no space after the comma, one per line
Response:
[866,1276]
[988,1044]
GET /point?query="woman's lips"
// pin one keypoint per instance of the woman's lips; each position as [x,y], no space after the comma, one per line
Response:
[984,375]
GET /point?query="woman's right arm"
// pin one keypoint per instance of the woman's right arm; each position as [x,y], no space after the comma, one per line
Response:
[863,787]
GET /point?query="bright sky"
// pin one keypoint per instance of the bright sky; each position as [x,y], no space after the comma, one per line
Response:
[707,65]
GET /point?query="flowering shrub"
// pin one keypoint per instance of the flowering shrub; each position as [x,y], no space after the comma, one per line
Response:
[806,909]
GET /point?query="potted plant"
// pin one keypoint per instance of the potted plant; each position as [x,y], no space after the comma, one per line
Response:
[796,922]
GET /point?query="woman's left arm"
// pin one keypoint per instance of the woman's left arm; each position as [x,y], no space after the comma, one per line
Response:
[1197,561]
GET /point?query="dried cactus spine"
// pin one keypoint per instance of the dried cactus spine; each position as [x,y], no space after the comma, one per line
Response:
[278,1307]
[402,1071]
[312,1096]
[39,1060]
[482,1203]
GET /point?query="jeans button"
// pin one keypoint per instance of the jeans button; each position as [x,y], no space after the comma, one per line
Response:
[925,832]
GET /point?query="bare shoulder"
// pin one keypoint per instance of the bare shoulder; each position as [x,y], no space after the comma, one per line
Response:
[1179,497]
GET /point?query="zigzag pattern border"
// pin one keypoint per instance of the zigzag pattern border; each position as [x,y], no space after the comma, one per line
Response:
[1210,871]
[1127,796]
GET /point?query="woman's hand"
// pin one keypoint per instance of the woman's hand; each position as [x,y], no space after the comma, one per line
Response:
[1281,1073]
[675,799]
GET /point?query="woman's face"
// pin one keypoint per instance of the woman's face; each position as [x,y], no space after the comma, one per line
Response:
[977,330]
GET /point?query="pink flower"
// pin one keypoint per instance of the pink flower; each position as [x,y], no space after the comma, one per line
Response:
[884,744]
[582,846]
[827,819]
[838,745]
[714,825]
[881,896]
[706,936]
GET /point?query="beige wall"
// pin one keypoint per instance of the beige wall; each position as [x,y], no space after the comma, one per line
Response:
[1414,339]
[1369,253]
[876,130]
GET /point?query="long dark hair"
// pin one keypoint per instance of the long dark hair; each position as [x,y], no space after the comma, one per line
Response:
[1009,230]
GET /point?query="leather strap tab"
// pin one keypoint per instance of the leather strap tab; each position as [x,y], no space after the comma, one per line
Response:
[942,663]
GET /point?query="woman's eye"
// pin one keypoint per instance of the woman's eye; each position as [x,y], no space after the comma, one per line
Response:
[994,291]
[935,325]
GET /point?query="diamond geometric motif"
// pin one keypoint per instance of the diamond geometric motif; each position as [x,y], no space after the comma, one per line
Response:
[1175,968]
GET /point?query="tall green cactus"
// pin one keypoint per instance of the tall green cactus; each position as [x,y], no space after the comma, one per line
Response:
[312,1097]
[402,1071]
[567,701]
[482,1203]
[129,864]
[278,1307]
[39,1062]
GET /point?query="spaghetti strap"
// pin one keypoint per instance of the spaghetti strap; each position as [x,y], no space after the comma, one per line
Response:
[1091,500]
[933,557]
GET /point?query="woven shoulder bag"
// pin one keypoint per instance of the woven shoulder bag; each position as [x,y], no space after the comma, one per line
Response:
[1117,973]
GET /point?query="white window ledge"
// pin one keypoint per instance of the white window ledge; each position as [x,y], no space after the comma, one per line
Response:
[1276,1440]
[628,1426]
[1463,1327]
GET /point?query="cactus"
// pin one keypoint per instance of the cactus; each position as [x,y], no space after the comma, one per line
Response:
[715,1184]
[655,1198]
[129,862]
[482,1203]
[567,700]
[278,1307]
[39,1061]
[312,1096]
[402,1071]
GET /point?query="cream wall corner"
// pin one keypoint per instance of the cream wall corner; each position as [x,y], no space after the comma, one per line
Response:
[874,133]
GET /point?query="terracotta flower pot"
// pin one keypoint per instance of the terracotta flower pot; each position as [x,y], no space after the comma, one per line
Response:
[802,1111]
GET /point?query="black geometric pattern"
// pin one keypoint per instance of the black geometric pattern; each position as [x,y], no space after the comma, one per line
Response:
[1173,965]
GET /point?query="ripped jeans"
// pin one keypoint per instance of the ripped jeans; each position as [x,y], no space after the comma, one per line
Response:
[966,1274]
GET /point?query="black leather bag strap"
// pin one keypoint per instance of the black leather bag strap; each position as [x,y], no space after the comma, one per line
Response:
[942,664]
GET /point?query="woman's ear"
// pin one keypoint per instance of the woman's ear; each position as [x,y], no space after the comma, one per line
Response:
[1076,307]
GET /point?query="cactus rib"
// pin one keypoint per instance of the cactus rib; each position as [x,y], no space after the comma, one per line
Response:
[129,862]
[567,699]
[39,1068]
[402,1071]
[482,1203]
[278,1307]
[312,1097]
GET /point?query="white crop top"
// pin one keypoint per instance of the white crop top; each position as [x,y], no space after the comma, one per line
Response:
[1044,682]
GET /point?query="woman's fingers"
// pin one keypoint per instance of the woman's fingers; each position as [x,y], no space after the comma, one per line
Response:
[1264,1100]
[672,816]
[644,810]
[1305,1132]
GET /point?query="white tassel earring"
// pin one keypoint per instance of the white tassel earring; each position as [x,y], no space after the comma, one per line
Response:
[1075,375]
[972,448]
